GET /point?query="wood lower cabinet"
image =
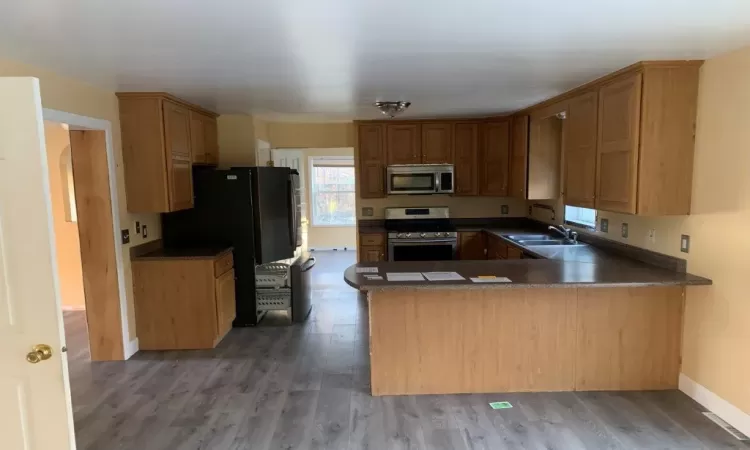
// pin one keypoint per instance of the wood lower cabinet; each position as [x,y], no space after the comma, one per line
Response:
[496,247]
[466,158]
[579,173]
[161,138]
[494,163]
[437,143]
[372,247]
[403,144]
[183,303]
[371,160]
[472,245]
[514,252]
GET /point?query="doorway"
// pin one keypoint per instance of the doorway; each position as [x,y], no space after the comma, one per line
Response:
[89,260]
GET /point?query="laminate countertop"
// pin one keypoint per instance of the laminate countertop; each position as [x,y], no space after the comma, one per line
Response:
[559,266]
[184,253]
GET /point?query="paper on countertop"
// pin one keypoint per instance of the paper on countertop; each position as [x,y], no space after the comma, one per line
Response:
[366,270]
[490,279]
[404,276]
[443,276]
[373,277]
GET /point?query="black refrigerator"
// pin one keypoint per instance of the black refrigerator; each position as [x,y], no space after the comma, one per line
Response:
[256,210]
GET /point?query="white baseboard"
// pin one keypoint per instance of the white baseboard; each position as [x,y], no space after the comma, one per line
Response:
[74,308]
[325,249]
[131,348]
[717,405]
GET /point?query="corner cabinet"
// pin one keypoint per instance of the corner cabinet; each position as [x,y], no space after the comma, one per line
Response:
[162,137]
[466,158]
[645,140]
[579,171]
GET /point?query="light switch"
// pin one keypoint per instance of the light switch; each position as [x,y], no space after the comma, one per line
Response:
[504,209]
[604,225]
[145,231]
[685,243]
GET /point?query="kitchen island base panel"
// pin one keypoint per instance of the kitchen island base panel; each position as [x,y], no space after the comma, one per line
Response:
[428,341]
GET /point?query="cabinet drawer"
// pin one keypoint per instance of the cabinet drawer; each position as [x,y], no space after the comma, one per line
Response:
[223,264]
[372,239]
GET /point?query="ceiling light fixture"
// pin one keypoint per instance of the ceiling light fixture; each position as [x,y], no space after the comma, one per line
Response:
[392,109]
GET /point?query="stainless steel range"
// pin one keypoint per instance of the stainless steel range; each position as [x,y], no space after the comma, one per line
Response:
[420,234]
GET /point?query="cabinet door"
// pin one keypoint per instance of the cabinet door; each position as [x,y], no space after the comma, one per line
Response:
[472,245]
[180,183]
[617,144]
[372,253]
[226,306]
[211,134]
[371,154]
[403,144]
[519,156]
[495,159]
[514,253]
[437,143]
[466,153]
[197,137]
[579,173]
[176,129]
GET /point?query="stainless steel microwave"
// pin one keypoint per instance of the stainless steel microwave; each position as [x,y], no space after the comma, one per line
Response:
[420,179]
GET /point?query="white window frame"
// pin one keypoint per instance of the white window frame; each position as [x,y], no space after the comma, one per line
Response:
[575,221]
[328,161]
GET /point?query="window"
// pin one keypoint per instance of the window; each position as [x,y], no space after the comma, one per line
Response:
[332,199]
[582,217]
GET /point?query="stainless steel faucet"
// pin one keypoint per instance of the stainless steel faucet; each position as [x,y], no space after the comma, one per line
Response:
[566,232]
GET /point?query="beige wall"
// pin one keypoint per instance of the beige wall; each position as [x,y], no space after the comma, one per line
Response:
[69,95]
[67,244]
[717,318]
[326,237]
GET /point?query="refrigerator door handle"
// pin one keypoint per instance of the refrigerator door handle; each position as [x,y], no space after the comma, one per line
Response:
[292,215]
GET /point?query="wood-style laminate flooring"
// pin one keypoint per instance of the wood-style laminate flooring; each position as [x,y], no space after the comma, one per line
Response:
[307,387]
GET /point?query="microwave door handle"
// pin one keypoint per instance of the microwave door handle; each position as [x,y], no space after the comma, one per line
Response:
[437,181]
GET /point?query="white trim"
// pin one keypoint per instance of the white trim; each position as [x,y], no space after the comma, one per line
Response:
[717,405]
[131,348]
[327,249]
[75,121]
[73,308]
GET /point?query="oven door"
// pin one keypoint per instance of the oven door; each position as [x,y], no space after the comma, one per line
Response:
[420,250]
[400,182]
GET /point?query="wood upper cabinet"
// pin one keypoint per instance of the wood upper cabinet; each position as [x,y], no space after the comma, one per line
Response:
[519,156]
[204,138]
[466,158]
[198,137]
[437,143]
[403,144]
[617,144]
[472,245]
[495,159]
[177,140]
[371,160]
[159,135]
[579,174]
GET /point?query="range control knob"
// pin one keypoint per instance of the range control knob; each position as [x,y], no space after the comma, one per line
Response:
[424,235]
[439,234]
[407,235]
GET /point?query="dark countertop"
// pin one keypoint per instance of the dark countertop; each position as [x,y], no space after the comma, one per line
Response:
[184,253]
[561,266]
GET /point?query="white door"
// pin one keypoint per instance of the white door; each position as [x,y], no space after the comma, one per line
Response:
[35,410]
[294,159]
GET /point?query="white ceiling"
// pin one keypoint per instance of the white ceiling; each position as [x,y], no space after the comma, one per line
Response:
[333,58]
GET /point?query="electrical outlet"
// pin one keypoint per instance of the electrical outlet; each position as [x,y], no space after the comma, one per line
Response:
[604,225]
[126,236]
[652,236]
[367,211]
[685,243]
[145,231]
[137,227]
[624,230]
[503,209]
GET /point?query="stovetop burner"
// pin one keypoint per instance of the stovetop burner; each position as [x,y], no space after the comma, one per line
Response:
[419,223]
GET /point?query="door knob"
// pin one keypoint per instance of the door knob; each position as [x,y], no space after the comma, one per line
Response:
[38,353]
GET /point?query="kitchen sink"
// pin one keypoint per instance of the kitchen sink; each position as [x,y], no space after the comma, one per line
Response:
[535,240]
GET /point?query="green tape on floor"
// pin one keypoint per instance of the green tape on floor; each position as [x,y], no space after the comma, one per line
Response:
[500,405]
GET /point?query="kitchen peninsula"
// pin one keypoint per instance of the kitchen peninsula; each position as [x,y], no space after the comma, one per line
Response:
[585,320]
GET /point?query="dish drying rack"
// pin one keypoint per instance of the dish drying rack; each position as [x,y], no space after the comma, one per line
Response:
[273,290]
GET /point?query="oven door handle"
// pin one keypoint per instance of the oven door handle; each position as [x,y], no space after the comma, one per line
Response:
[421,241]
